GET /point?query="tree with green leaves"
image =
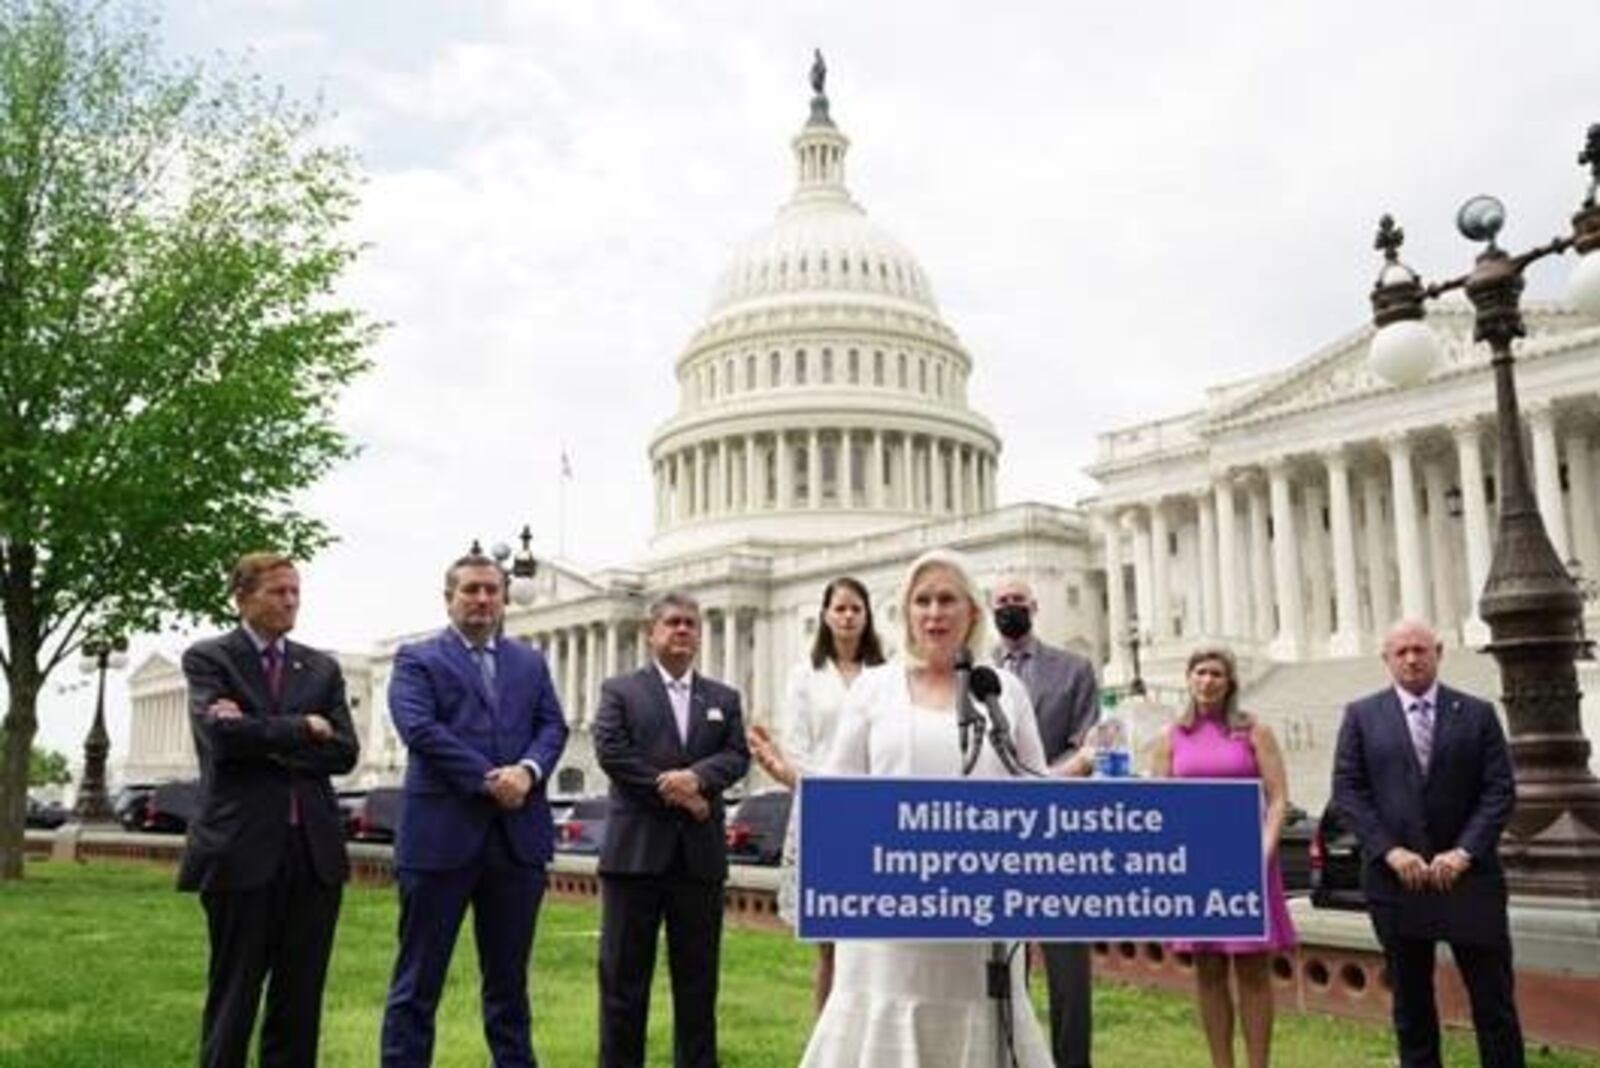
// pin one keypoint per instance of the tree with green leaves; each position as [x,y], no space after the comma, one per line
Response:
[171,346]
[48,767]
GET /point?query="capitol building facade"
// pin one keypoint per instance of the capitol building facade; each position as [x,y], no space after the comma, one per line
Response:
[823,429]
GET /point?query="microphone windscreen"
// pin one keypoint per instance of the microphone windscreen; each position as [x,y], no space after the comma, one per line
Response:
[985,683]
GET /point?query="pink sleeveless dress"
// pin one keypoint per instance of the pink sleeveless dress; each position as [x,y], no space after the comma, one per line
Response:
[1208,751]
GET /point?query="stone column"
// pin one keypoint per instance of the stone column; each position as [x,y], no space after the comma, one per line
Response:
[1210,588]
[1581,498]
[569,675]
[757,701]
[1408,544]
[814,470]
[785,463]
[1314,562]
[702,474]
[1289,641]
[611,652]
[1116,599]
[1475,521]
[1143,601]
[1159,626]
[592,633]
[1441,553]
[727,498]
[1263,624]
[754,490]
[1376,536]
[908,460]
[1230,619]
[846,470]
[875,480]
[732,651]
[1547,475]
[1346,637]
[723,644]
[641,643]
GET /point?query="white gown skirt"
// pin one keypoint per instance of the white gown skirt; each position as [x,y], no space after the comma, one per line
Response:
[920,1005]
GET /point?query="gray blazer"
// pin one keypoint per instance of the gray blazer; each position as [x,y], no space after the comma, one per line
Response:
[1066,698]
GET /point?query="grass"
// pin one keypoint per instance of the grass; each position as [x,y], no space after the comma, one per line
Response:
[104,964]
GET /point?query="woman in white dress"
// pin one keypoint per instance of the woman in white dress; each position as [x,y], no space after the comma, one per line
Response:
[920,1004]
[845,644]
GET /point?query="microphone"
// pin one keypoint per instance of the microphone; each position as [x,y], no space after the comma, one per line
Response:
[969,723]
[985,686]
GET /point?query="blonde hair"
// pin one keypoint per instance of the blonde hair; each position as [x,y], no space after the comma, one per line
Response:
[1233,717]
[953,563]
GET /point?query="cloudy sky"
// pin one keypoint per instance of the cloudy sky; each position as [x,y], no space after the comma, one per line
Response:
[1118,205]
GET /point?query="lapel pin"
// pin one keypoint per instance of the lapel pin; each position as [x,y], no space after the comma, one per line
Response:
[713,715]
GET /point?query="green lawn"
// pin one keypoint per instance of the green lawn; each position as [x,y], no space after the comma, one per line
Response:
[103,964]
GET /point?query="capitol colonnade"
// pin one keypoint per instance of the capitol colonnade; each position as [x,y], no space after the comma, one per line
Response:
[1294,541]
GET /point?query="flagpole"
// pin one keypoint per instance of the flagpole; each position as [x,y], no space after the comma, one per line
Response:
[561,504]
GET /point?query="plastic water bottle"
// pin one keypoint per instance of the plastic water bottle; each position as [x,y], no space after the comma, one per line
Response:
[1113,745]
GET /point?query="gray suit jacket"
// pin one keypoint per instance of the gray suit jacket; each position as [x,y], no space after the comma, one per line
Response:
[1066,698]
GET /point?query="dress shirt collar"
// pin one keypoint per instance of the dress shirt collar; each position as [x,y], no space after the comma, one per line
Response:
[668,681]
[261,642]
[487,644]
[1023,648]
[1430,697]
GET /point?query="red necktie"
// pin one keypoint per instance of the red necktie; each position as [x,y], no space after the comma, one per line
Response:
[272,664]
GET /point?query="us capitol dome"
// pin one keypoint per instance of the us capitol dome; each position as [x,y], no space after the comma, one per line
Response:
[824,397]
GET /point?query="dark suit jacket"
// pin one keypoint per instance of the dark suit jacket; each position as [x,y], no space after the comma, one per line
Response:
[1464,800]
[1066,698]
[455,731]
[248,766]
[635,740]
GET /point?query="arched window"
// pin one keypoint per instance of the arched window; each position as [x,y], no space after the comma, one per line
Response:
[922,374]
[904,381]
[877,368]
[774,370]
[938,379]
[800,367]
[827,367]
[854,370]
[750,371]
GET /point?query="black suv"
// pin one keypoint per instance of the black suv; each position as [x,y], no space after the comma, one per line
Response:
[757,827]
[1335,865]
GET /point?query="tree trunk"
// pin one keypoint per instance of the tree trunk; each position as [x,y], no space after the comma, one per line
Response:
[21,723]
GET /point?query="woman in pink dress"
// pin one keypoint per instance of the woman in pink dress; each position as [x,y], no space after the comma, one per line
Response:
[1214,739]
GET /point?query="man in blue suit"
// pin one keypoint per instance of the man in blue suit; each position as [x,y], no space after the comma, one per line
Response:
[484,730]
[1422,775]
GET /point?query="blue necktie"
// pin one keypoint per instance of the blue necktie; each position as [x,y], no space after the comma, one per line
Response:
[485,658]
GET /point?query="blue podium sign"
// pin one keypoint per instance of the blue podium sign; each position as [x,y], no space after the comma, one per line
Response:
[1057,859]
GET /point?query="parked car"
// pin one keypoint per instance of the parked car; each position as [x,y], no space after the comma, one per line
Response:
[44,815]
[757,827]
[1335,865]
[127,804]
[1294,850]
[583,827]
[375,816]
[170,807]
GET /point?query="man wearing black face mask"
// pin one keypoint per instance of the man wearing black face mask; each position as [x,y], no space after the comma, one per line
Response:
[1066,701]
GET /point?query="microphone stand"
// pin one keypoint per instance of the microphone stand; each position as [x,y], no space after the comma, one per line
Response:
[997,969]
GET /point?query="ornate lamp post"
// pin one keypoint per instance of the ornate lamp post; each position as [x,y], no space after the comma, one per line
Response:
[1136,680]
[519,567]
[100,652]
[1532,606]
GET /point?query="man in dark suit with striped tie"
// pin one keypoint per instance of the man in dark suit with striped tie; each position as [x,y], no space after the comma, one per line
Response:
[266,851]
[1422,775]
